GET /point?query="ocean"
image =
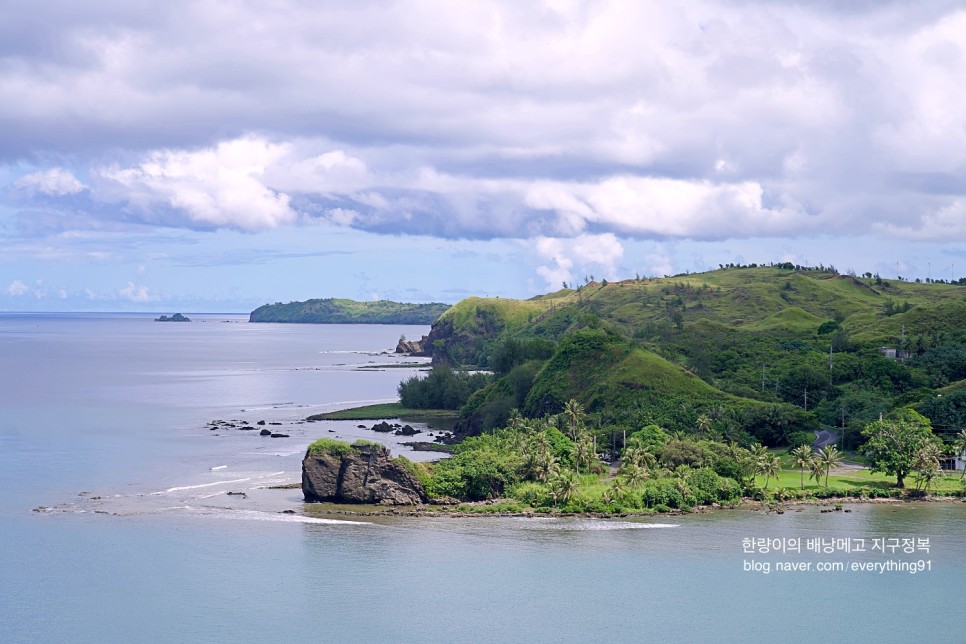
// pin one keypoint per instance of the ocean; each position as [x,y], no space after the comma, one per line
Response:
[116,523]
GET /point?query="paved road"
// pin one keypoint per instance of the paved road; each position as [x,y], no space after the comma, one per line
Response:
[825,437]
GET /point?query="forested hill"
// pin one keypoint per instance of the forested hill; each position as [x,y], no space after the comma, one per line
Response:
[765,351]
[342,311]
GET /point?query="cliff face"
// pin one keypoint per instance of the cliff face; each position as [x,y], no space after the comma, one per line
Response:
[365,475]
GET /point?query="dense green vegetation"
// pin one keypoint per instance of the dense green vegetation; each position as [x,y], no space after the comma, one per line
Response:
[341,311]
[759,353]
[334,447]
[385,411]
[554,464]
[699,389]
[442,388]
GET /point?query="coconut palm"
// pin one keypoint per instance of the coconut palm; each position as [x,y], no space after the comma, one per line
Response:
[816,469]
[829,456]
[927,467]
[758,451]
[959,448]
[736,451]
[584,453]
[770,466]
[803,458]
[633,474]
[574,413]
[639,456]
[563,487]
[703,424]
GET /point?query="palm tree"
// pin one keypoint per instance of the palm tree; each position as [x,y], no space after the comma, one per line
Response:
[959,448]
[736,451]
[639,456]
[585,452]
[927,465]
[634,475]
[574,413]
[803,458]
[703,424]
[563,487]
[829,456]
[758,451]
[770,466]
[816,469]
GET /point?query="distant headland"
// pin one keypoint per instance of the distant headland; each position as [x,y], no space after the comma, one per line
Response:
[342,311]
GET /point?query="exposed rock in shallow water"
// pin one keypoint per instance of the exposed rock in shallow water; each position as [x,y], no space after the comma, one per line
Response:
[412,347]
[364,475]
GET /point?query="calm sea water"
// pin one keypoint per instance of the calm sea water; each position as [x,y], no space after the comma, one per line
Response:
[105,420]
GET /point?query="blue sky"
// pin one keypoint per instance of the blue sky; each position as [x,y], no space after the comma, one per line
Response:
[211,156]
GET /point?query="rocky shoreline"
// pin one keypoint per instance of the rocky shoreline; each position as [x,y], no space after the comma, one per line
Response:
[492,508]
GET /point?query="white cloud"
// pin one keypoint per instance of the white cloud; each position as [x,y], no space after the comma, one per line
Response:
[591,254]
[17,288]
[53,181]
[659,263]
[221,186]
[943,224]
[561,121]
[136,293]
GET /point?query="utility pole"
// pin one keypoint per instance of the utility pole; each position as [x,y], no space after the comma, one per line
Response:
[806,398]
[762,378]
[842,433]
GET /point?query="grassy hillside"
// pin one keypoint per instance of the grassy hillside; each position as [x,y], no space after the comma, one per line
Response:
[341,311]
[765,351]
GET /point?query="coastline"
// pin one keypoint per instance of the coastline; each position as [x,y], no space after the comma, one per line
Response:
[498,508]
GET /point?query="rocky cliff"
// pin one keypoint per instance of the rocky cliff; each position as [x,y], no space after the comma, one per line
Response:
[360,474]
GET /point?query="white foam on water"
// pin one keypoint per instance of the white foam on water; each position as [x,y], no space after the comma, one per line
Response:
[200,485]
[255,515]
[219,467]
[592,525]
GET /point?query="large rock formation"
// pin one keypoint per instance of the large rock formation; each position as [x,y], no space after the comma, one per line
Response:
[362,474]
[412,347]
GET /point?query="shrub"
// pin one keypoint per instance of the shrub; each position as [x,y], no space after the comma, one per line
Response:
[329,446]
[662,492]
[704,484]
[531,493]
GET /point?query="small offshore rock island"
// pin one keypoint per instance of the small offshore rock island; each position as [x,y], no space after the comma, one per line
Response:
[774,382]
[177,317]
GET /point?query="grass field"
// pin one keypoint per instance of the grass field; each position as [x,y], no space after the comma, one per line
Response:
[386,411]
[852,480]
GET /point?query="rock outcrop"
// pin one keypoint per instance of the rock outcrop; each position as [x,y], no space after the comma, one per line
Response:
[412,347]
[366,474]
[177,317]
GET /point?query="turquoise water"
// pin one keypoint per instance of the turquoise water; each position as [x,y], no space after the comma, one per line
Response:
[117,407]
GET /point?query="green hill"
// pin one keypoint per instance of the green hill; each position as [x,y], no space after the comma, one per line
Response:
[761,351]
[341,311]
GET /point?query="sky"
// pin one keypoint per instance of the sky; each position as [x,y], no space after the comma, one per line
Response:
[216,156]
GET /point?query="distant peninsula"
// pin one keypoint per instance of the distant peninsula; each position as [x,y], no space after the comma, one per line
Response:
[177,317]
[342,311]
